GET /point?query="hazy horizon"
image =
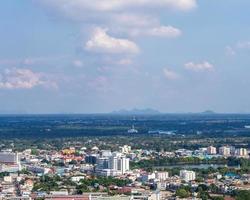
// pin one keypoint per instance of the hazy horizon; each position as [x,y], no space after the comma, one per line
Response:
[128,112]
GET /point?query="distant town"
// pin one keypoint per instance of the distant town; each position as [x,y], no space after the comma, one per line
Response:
[77,172]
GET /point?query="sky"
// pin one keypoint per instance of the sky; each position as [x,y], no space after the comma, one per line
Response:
[96,56]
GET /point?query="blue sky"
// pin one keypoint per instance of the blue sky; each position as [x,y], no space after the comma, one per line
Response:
[81,56]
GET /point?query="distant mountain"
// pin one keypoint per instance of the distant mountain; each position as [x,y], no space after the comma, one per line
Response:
[208,112]
[136,111]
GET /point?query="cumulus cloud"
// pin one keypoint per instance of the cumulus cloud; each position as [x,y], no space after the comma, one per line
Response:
[123,15]
[243,45]
[230,51]
[155,30]
[165,31]
[125,61]
[117,5]
[23,79]
[77,63]
[136,25]
[203,66]
[101,42]
[170,75]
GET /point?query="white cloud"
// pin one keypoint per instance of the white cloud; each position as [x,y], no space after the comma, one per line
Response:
[116,5]
[126,16]
[230,51]
[165,31]
[243,45]
[125,61]
[23,79]
[101,42]
[170,75]
[142,25]
[134,20]
[203,66]
[77,63]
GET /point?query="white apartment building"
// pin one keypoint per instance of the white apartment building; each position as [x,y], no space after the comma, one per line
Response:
[123,165]
[162,176]
[211,150]
[225,151]
[241,152]
[117,162]
[187,175]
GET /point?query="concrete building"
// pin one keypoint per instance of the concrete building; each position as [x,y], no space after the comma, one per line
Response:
[147,177]
[102,163]
[125,149]
[187,175]
[162,176]
[10,168]
[9,158]
[91,159]
[119,164]
[106,153]
[123,164]
[225,151]
[211,150]
[113,163]
[241,152]
[38,169]
[108,172]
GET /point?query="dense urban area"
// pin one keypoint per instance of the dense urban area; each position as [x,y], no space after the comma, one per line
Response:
[136,160]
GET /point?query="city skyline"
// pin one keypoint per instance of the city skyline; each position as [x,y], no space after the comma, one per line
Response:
[174,56]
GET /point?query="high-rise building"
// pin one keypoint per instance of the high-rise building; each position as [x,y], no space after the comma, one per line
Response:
[102,163]
[232,150]
[106,153]
[123,164]
[91,159]
[242,152]
[187,175]
[225,151]
[211,150]
[119,163]
[113,162]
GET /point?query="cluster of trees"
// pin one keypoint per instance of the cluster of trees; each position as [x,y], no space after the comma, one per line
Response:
[204,173]
[86,185]
[204,193]
[47,184]
[165,162]
[3,174]
[242,162]
[53,183]
[161,162]
[242,195]
[58,126]
[202,190]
